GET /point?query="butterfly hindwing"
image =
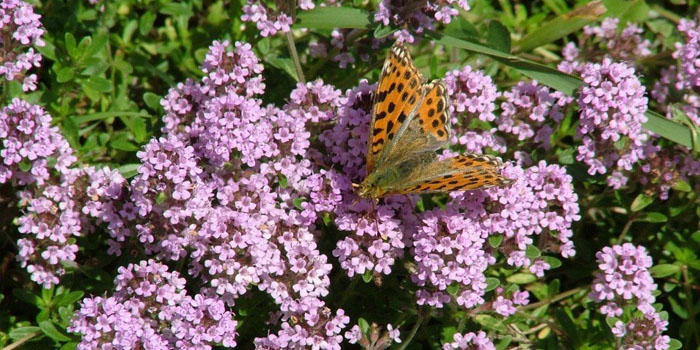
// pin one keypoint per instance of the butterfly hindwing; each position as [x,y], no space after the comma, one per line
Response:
[461,173]
[398,93]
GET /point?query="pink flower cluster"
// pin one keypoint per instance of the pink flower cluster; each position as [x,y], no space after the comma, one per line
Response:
[612,103]
[21,26]
[627,44]
[687,52]
[530,111]
[416,19]
[150,309]
[624,280]
[470,341]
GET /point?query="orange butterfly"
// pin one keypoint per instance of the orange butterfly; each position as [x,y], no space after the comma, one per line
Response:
[409,124]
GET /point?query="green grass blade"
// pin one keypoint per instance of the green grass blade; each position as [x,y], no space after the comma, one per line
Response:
[334,17]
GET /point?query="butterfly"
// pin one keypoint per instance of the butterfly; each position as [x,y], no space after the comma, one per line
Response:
[409,124]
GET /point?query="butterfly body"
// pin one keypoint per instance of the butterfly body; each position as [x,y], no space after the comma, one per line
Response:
[409,124]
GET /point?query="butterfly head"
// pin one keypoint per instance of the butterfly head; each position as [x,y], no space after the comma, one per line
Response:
[368,189]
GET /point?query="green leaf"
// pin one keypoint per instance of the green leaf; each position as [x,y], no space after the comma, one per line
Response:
[532,252]
[382,31]
[561,26]
[453,289]
[490,322]
[522,278]
[332,17]
[27,297]
[161,197]
[70,43]
[129,170]
[297,202]
[367,276]
[552,261]
[611,321]
[460,28]
[495,241]
[25,165]
[99,41]
[94,66]
[674,344]
[671,130]
[65,74]
[99,84]
[492,283]
[566,156]
[137,125]
[364,325]
[499,37]
[682,186]
[546,75]
[152,100]
[106,115]
[642,201]
[48,50]
[69,346]
[69,298]
[664,270]
[21,332]
[653,217]
[50,330]
[146,22]
[177,9]
[283,63]
[121,142]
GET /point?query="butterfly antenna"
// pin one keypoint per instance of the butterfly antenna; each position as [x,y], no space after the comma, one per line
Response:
[376,216]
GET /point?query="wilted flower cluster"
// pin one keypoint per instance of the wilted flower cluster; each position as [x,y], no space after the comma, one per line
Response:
[624,280]
[22,28]
[151,310]
[612,104]
[470,341]
[416,17]
[529,111]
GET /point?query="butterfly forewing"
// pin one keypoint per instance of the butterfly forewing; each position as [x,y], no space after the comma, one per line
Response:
[461,173]
[432,114]
[396,98]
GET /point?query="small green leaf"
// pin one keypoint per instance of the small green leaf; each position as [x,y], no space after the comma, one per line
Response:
[332,17]
[152,100]
[25,165]
[495,241]
[641,202]
[682,186]
[21,332]
[297,203]
[566,156]
[69,346]
[674,344]
[460,28]
[129,170]
[664,270]
[611,321]
[283,63]
[383,31]
[121,142]
[69,298]
[161,197]
[98,43]
[499,37]
[177,9]
[146,22]
[552,261]
[367,276]
[283,181]
[532,252]
[492,283]
[522,278]
[453,289]
[65,74]
[654,217]
[99,84]
[70,42]
[50,330]
[364,325]
[489,322]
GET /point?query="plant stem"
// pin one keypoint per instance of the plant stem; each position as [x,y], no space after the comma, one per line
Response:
[625,229]
[21,341]
[560,296]
[348,290]
[295,56]
[416,325]
[689,304]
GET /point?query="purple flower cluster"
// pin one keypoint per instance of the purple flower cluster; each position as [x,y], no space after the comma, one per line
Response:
[473,96]
[624,280]
[375,339]
[612,104]
[687,52]
[22,28]
[416,19]
[231,186]
[150,309]
[470,341]
[29,143]
[270,21]
[530,110]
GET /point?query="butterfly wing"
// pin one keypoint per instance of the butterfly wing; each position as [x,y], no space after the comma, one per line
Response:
[461,173]
[397,96]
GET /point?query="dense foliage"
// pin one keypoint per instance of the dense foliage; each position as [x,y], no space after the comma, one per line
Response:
[182,175]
